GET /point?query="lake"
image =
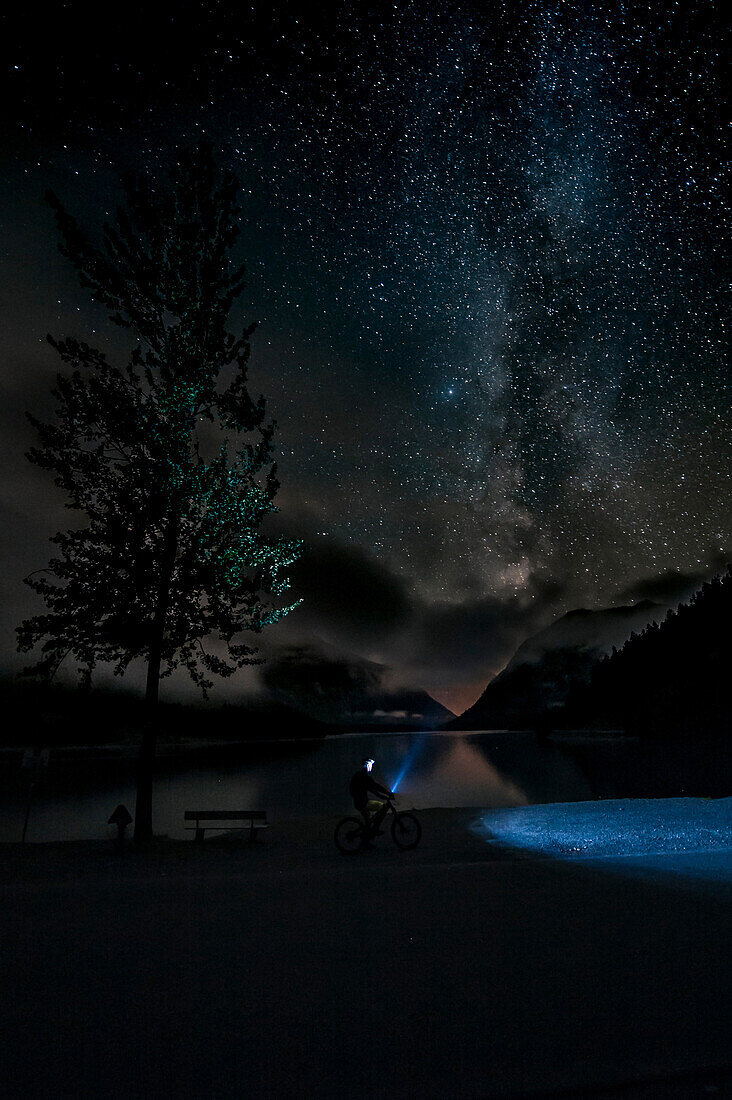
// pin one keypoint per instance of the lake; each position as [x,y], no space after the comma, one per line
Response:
[80,788]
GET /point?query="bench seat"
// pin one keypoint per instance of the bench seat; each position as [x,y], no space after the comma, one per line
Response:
[223,821]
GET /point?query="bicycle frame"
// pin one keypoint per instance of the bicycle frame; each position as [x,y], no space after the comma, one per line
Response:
[382,816]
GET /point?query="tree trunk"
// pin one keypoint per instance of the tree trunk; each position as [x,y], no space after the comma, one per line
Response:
[146,758]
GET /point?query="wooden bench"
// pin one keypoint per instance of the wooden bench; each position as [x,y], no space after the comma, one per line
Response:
[257,819]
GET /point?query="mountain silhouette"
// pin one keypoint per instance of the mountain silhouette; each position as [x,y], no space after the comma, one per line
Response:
[343,689]
[546,666]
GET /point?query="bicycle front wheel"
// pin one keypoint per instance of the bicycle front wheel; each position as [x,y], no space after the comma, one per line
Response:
[406,831]
[348,835]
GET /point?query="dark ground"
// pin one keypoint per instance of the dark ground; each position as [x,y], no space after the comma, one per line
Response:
[283,969]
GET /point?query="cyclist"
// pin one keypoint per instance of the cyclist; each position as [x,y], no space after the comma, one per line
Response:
[362,784]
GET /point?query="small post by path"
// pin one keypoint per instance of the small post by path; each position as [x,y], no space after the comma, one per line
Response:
[121,818]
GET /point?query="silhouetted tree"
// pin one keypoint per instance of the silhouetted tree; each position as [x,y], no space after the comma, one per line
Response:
[167,457]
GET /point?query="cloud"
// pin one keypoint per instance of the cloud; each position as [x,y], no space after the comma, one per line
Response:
[358,608]
[349,595]
[472,638]
[316,671]
[674,586]
[356,602]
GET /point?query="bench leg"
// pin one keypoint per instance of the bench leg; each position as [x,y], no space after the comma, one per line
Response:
[200,833]
[252,832]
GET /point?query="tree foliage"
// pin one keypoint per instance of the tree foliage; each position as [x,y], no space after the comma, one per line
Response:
[167,457]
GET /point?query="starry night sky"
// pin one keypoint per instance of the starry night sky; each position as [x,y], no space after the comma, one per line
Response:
[486,245]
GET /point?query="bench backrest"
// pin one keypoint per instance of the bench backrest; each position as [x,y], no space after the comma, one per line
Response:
[225,815]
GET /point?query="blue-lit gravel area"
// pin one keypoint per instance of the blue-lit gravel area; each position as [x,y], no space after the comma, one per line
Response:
[692,835]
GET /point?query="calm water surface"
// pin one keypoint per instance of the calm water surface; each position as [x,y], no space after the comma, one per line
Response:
[79,789]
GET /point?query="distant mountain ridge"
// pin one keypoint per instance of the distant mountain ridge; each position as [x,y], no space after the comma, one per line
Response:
[345,690]
[544,668]
[305,691]
[586,628]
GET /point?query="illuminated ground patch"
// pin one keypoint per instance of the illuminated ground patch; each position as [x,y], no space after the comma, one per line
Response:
[618,827]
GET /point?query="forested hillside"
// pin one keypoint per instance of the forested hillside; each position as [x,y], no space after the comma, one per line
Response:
[672,678]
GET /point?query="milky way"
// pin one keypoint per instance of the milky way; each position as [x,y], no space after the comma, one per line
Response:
[486,242]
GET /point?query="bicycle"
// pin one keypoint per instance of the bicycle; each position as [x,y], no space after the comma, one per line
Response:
[351,833]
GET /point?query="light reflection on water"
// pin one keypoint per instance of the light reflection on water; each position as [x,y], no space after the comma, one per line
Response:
[464,769]
[295,779]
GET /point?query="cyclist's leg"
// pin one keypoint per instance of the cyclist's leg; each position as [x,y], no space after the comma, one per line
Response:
[371,813]
[367,836]
[379,815]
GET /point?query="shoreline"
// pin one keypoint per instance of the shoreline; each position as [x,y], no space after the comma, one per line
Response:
[476,827]
[168,748]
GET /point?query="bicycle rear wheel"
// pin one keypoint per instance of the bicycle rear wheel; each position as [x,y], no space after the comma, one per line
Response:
[348,835]
[406,831]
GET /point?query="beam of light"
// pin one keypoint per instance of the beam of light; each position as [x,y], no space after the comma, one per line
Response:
[409,759]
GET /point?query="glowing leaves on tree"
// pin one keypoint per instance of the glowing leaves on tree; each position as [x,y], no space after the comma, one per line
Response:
[170,552]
